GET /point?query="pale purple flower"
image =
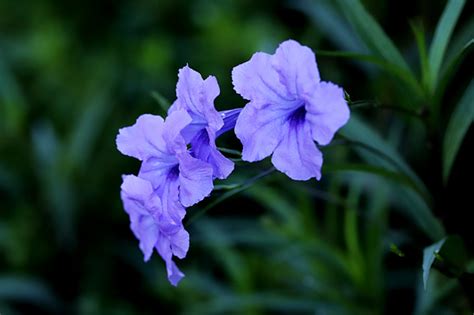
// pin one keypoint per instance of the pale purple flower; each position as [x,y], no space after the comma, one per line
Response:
[169,180]
[153,226]
[289,108]
[196,96]
[166,161]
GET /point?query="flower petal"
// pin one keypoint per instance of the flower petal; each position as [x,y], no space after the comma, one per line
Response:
[197,96]
[297,155]
[141,140]
[164,249]
[195,179]
[297,69]
[141,204]
[259,130]
[180,243]
[205,149]
[257,80]
[172,127]
[230,118]
[326,112]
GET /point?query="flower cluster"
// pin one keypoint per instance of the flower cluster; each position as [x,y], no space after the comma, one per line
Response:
[289,109]
[171,176]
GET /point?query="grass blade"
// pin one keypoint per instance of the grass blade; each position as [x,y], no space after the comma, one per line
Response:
[441,38]
[391,68]
[371,33]
[461,118]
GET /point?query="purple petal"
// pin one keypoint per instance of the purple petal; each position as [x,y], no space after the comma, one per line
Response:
[195,179]
[141,140]
[205,149]
[142,205]
[147,233]
[172,127]
[172,207]
[157,169]
[230,118]
[296,66]
[180,243]
[297,155]
[164,249]
[256,80]
[259,128]
[196,96]
[327,111]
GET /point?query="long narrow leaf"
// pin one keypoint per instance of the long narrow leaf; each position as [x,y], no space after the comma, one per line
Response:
[458,125]
[441,38]
[358,131]
[421,43]
[371,33]
[391,68]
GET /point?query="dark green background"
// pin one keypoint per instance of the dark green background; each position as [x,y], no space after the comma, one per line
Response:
[73,72]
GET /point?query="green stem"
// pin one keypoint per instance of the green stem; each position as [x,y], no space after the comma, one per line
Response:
[374,104]
[228,194]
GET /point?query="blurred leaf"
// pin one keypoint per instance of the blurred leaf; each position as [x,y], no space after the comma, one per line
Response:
[413,206]
[238,188]
[379,171]
[231,261]
[53,180]
[417,29]
[25,290]
[387,66]
[428,299]
[449,256]
[429,256]
[441,38]
[162,101]
[13,104]
[365,137]
[451,67]
[375,150]
[459,123]
[85,132]
[371,33]
[323,14]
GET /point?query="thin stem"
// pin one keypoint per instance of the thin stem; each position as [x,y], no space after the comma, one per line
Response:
[228,194]
[374,104]
[230,151]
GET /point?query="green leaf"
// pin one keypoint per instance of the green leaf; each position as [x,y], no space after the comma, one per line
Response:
[429,256]
[371,33]
[377,151]
[387,66]
[441,38]
[359,133]
[233,191]
[419,33]
[20,289]
[451,66]
[451,255]
[461,118]
[13,103]
[161,100]
[328,21]
[379,171]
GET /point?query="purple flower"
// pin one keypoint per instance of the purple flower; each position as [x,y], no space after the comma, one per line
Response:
[169,180]
[289,108]
[196,97]
[166,161]
[153,226]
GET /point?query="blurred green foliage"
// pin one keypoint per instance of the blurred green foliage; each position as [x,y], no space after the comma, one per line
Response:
[73,72]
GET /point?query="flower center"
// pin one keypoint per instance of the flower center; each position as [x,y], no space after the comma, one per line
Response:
[298,116]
